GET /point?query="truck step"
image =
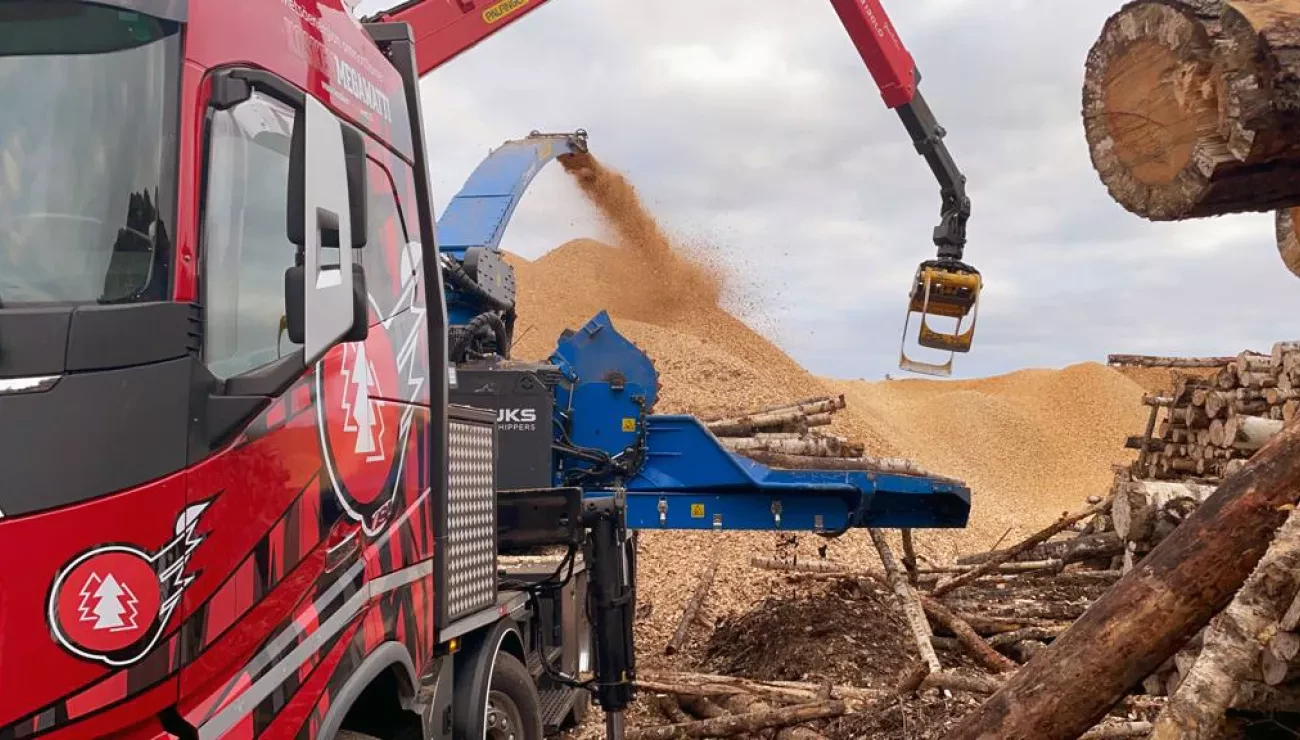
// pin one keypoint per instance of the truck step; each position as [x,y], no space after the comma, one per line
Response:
[556,704]
[535,661]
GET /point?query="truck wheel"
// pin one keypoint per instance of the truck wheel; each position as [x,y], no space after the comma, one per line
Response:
[514,709]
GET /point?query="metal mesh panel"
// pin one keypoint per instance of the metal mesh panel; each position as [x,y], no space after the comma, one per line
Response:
[471,553]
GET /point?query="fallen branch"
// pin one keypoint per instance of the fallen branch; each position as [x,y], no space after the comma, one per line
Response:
[1060,611]
[707,684]
[1112,730]
[986,567]
[976,646]
[986,625]
[961,682]
[671,709]
[825,567]
[700,707]
[1024,566]
[909,556]
[907,598]
[738,724]
[1029,633]
[692,609]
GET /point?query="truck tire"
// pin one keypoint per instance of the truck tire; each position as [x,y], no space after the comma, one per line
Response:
[514,710]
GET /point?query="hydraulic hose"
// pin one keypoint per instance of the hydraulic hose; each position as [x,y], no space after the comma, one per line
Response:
[484,324]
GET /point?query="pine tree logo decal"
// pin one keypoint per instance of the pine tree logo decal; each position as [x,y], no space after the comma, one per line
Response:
[108,605]
[111,604]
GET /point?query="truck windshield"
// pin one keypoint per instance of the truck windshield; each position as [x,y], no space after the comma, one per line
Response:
[88,135]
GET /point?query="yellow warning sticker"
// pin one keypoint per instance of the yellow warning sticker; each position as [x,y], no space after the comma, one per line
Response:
[629,425]
[697,511]
[502,9]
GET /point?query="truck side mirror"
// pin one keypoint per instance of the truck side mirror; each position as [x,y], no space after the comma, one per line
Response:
[321,290]
[295,289]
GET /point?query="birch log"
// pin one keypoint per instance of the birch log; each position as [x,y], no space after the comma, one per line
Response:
[1232,642]
[909,602]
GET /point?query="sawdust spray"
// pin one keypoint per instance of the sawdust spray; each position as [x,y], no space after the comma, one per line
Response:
[675,283]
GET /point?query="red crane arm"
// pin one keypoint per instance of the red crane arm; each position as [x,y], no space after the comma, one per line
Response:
[877,42]
[445,28]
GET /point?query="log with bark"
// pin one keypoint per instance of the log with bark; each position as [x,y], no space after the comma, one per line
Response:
[802,445]
[1191,113]
[1260,96]
[770,418]
[1287,228]
[1076,550]
[1249,433]
[1147,616]
[1155,361]
[1137,503]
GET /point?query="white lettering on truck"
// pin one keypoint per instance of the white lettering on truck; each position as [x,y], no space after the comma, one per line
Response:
[362,89]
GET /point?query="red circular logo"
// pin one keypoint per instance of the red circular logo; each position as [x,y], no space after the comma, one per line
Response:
[107,601]
[360,433]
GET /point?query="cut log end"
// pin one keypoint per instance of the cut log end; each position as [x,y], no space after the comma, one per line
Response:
[1150,110]
[1288,238]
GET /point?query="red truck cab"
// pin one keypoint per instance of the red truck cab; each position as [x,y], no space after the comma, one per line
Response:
[226,510]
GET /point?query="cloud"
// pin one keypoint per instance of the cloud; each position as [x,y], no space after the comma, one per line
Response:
[754,130]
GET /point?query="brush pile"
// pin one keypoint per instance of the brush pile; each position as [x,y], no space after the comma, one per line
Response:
[918,638]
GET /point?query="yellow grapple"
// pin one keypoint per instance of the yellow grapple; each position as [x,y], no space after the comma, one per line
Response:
[942,288]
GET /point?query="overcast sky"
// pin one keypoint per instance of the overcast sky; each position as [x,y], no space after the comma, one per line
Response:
[754,131]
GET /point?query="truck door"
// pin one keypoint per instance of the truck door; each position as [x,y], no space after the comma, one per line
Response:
[279,558]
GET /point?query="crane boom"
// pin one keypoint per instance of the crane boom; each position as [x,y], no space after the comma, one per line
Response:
[444,29]
[944,286]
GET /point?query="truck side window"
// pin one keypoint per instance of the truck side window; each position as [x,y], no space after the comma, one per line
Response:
[245,246]
[385,255]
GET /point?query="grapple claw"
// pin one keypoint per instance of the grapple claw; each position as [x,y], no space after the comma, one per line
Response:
[947,288]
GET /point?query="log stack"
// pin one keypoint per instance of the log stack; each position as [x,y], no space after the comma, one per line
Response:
[1191,108]
[1204,427]
[795,435]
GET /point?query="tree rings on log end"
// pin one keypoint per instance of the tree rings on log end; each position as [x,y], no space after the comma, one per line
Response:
[1150,110]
